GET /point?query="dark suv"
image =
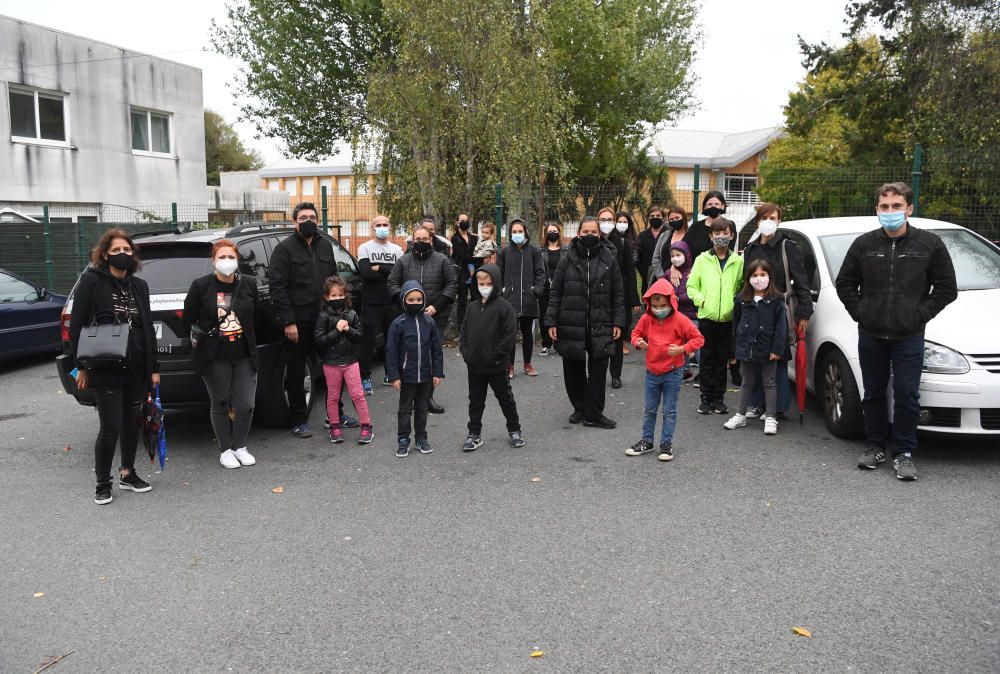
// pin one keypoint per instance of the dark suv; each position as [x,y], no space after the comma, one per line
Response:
[170,262]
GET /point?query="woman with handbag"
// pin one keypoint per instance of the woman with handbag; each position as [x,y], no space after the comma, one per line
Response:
[219,316]
[114,349]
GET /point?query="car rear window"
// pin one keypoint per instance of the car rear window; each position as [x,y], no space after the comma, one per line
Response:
[171,268]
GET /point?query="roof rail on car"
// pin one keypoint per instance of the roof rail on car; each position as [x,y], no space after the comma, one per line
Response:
[248,226]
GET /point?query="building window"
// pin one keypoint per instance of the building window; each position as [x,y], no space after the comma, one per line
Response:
[345,229]
[291,186]
[37,115]
[150,132]
[344,187]
[274,185]
[308,187]
[328,184]
[361,186]
[361,229]
[740,187]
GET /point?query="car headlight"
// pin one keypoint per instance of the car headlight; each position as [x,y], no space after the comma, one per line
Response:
[942,360]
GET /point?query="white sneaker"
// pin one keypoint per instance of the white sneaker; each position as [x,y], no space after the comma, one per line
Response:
[228,459]
[737,421]
[770,426]
[244,457]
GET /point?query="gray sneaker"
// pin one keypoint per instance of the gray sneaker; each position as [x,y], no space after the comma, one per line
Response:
[905,470]
[515,439]
[872,457]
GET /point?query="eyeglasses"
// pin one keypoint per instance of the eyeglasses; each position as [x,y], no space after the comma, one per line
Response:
[305,218]
[606,221]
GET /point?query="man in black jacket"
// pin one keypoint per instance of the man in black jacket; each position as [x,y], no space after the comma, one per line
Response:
[586,315]
[893,281]
[299,266]
[647,243]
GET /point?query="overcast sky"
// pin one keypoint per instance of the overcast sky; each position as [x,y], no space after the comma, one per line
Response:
[747,63]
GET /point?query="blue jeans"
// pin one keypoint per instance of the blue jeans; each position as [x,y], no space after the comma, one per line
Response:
[782,384]
[906,358]
[666,387]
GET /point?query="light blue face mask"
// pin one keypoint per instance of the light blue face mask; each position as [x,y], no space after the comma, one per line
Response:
[892,221]
[382,232]
[662,313]
[517,238]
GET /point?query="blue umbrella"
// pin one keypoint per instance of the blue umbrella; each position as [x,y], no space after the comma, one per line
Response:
[161,439]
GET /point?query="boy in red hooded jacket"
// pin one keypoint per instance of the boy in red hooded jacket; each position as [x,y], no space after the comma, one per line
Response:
[669,336]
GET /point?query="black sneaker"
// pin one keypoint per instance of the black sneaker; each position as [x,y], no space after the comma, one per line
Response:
[349,422]
[600,422]
[472,443]
[616,382]
[576,417]
[386,381]
[433,407]
[754,412]
[639,448]
[666,451]
[720,407]
[516,440]
[905,470]
[424,447]
[302,431]
[872,457]
[103,494]
[705,407]
[403,448]
[133,482]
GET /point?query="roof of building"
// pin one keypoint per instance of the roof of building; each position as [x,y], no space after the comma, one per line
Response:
[709,149]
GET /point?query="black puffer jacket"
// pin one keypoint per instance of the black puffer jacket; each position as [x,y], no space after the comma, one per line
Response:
[523,272]
[334,346]
[435,273]
[489,331]
[296,276]
[586,301]
[893,287]
[626,264]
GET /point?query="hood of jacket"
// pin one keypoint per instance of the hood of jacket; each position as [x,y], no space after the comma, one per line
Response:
[409,287]
[494,272]
[686,249]
[661,287]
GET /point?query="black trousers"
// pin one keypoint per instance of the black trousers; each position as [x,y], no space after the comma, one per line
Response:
[715,357]
[297,355]
[500,384]
[462,299]
[118,412]
[413,402]
[374,318]
[585,381]
[618,357]
[543,306]
[526,324]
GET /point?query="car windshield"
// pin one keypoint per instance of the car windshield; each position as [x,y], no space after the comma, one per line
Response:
[977,263]
[170,269]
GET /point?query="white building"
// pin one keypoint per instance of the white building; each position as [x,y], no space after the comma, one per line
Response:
[96,131]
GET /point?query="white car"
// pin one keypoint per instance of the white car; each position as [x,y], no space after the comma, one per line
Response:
[960,385]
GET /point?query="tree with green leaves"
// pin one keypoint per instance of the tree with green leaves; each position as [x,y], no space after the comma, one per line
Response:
[224,151]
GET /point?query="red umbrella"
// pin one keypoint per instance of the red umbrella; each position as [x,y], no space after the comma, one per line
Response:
[800,368]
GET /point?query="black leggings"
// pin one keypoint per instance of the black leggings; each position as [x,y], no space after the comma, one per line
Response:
[118,411]
[527,324]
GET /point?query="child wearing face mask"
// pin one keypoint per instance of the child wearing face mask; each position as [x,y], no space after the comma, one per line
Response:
[668,337]
[486,342]
[486,248]
[337,334]
[761,334]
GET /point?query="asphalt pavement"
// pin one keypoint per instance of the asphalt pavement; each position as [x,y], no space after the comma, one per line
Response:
[471,562]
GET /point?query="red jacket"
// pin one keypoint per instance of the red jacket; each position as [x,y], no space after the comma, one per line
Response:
[661,333]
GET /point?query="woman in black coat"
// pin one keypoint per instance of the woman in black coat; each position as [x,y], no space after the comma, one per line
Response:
[109,292]
[623,236]
[219,313]
[552,253]
[522,273]
[463,244]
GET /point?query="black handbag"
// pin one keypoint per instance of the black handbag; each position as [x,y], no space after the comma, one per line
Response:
[103,345]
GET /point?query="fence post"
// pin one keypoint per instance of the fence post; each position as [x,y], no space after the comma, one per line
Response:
[48,247]
[173,214]
[498,212]
[323,208]
[918,164]
[697,192]
[541,204]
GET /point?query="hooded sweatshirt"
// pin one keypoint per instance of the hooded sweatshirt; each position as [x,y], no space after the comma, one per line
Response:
[489,331]
[413,348]
[684,303]
[660,333]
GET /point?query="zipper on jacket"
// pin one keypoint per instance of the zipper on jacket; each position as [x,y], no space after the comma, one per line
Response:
[522,281]
[419,349]
[892,269]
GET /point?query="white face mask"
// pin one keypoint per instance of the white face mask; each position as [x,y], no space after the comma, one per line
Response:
[485,291]
[767,227]
[226,266]
[607,226]
[621,227]
[677,260]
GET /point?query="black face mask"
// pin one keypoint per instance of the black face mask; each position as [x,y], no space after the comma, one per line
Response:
[676,224]
[337,305]
[121,261]
[713,211]
[421,248]
[656,223]
[590,241]
[308,228]
[412,309]
[552,237]
[463,225]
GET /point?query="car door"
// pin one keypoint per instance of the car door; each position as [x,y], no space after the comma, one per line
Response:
[28,323]
[254,258]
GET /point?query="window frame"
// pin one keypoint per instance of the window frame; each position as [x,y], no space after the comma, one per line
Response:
[34,92]
[149,112]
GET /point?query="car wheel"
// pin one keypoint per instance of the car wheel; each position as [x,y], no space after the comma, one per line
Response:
[840,396]
[274,410]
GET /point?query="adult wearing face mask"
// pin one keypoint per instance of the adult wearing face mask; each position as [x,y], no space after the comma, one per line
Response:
[675,230]
[551,254]
[299,266]
[376,258]
[698,237]
[782,254]
[436,274]
[893,281]
[586,315]
[221,308]
[439,243]
[522,275]
[621,237]
[646,243]
[463,244]
[109,292]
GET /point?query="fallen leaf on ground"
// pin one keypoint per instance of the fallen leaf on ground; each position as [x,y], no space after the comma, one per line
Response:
[537,654]
[536,479]
[802,631]
[278,490]
[67,448]
[102,578]
[39,594]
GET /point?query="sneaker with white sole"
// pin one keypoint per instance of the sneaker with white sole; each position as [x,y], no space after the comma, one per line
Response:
[666,452]
[770,426]
[755,413]
[102,496]
[132,482]
[228,459]
[639,448]
[736,421]
[472,443]
[244,457]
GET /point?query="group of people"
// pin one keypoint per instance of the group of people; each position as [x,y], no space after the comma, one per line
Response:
[703,306]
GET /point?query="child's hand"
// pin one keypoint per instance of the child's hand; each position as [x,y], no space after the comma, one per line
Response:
[774,356]
[641,344]
[343,325]
[675,350]
[397,384]
[437,381]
